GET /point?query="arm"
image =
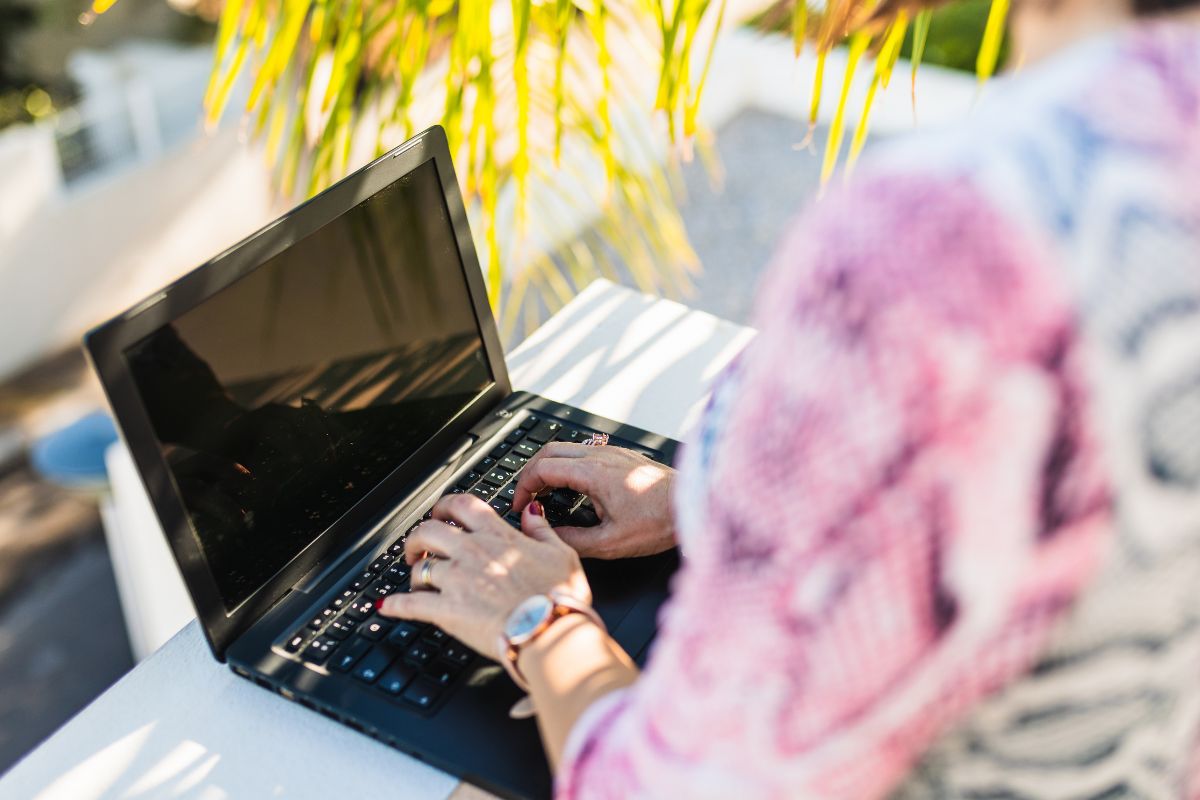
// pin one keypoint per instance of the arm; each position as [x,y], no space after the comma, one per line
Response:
[900,498]
[569,667]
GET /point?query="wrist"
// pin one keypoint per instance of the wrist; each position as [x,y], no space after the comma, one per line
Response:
[532,620]
[534,655]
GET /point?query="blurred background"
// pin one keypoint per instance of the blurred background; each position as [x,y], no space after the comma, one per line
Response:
[138,139]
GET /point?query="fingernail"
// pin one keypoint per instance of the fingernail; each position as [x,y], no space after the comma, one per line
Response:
[379,604]
[535,508]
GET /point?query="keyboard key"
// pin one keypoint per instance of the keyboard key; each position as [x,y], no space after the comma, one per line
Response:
[514,519]
[381,563]
[295,643]
[437,636]
[349,654]
[361,608]
[341,628]
[509,492]
[374,629]
[468,480]
[421,653]
[319,649]
[544,431]
[381,589]
[397,548]
[457,653]
[362,581]
[339,602]
[497,477]
[442,673]
[527,449]
[515,436]
[422,694]
[484,466]
[499,450]
[529,422]
[374,664]
[397,573]
[501,506]
[484,491]
[513,462]
[404,633]
[396,678]
[317,622]
[576,435]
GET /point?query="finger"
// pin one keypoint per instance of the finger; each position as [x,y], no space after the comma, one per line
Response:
[569,473]
[431,536]
[534,524]
[469,511]
[419,606]
[565,450]
[585,541]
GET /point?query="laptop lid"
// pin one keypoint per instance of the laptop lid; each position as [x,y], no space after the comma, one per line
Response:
[278,398]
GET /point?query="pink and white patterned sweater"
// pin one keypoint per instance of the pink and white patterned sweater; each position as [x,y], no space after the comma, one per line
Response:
[941,521]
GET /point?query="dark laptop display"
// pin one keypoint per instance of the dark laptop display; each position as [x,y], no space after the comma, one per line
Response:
[280,401]
[296,406]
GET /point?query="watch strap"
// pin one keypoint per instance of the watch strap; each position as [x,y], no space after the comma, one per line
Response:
[563,605]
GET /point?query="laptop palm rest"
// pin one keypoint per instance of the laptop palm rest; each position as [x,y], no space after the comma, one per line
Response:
[620,587]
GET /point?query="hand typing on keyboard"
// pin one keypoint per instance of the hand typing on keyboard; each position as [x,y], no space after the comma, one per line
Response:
[468,577]
[627,493]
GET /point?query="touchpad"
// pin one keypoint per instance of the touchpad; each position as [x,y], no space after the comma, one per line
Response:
[638,585]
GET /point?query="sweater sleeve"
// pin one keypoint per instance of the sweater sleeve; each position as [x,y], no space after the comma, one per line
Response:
[893,496]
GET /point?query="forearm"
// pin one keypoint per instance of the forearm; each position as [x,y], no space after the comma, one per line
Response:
[569,667]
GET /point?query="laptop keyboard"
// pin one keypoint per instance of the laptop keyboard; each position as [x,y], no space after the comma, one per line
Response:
[414,663]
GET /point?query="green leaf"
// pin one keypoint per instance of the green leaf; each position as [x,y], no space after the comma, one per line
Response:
[859,42]
[993,38]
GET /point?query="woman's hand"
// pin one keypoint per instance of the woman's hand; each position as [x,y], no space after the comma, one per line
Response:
[631,495]
[484,570]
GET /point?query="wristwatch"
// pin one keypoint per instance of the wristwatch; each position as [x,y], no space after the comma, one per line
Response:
[530,619]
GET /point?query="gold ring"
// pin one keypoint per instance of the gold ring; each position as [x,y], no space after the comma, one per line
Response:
[425,574]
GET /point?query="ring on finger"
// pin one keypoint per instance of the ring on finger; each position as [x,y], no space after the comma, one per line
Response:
[425,574]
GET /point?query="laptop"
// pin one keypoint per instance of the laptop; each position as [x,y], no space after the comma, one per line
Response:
[296,405]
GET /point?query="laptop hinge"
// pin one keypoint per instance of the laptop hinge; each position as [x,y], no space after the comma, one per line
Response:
[451,462]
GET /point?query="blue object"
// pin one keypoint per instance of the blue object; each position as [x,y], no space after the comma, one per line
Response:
[74,456]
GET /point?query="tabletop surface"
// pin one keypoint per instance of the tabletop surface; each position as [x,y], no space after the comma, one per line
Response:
[181,725]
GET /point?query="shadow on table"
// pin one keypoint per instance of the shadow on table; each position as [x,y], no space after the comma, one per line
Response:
[654,352]
[140,755]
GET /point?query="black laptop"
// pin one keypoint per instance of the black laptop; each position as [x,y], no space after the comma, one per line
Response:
[296,405]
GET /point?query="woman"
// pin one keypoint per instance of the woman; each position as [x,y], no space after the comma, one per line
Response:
[944,513]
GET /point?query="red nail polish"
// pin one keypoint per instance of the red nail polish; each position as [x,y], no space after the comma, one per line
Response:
[379,604]
[535,508]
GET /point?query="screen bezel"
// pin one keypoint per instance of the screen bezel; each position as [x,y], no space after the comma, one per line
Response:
[106,346]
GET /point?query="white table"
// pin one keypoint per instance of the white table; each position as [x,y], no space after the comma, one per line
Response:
[182,725]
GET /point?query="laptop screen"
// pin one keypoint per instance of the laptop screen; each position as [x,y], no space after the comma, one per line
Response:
[283,399]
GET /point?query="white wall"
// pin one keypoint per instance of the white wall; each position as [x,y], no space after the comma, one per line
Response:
[88,254]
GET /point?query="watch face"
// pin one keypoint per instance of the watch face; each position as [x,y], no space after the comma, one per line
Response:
[526,617]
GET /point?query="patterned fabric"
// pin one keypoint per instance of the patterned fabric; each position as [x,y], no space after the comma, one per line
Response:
[942,518]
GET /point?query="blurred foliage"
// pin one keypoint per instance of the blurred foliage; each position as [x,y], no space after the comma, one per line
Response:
[15,17]
[548,94]
[955,32]
[15,89]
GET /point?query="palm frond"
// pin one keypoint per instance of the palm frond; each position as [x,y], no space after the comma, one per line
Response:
[550,88]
